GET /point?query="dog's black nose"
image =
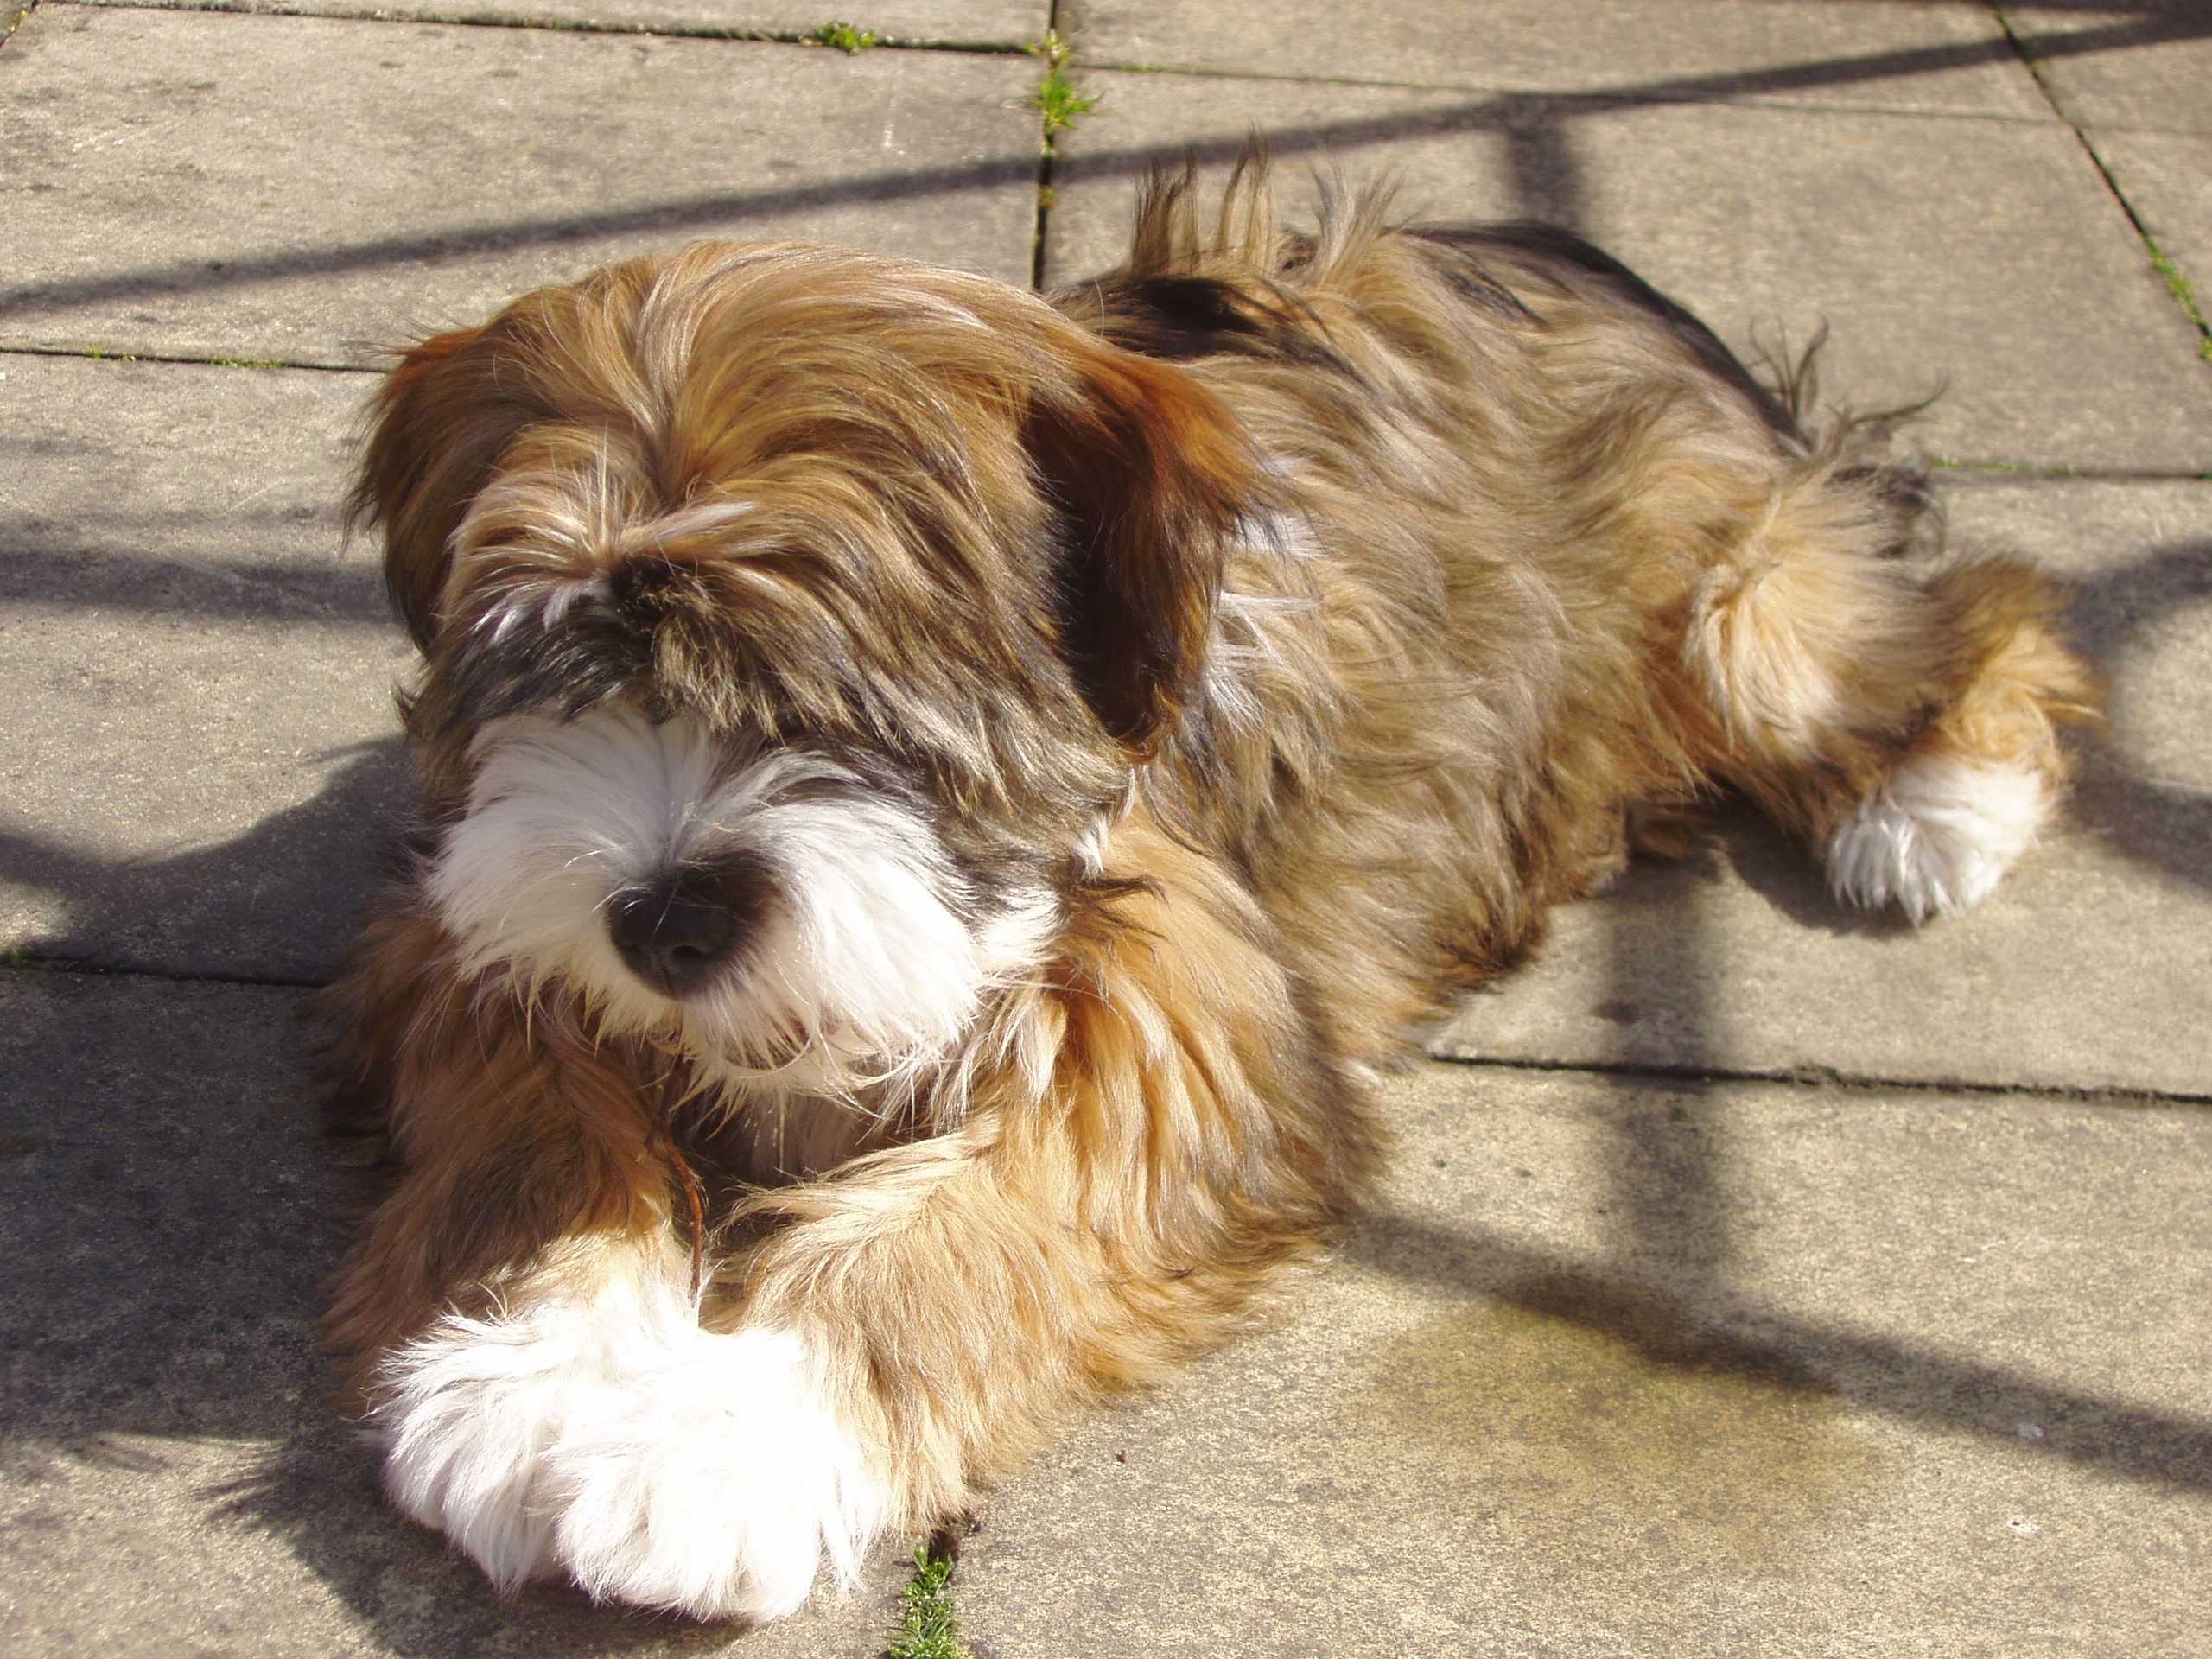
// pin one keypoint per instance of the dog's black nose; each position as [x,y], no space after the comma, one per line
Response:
[672,935]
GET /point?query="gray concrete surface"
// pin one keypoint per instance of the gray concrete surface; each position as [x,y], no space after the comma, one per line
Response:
[1623,1367]
[1645,1352]
[2167,179]
[201,674]
[2134,81]
[315,190]
[1871,55]
[2143,66]
[1009,23]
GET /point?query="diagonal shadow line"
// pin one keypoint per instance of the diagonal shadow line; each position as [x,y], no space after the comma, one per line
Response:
[1490,111]
[91,577]
[1891,1376]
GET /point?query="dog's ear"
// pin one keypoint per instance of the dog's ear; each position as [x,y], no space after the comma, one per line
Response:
[1150,474]
[441,419]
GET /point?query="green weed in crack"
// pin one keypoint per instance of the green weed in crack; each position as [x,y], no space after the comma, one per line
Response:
[928,1627]
[848,38]
[1056,98]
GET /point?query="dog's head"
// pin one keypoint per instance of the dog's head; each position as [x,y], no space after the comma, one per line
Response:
[789,617]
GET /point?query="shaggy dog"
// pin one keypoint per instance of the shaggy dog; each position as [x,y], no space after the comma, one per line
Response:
[935,798]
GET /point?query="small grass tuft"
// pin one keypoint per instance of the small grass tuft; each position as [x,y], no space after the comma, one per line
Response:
[1056,98]
[928,1629]
[848,38]
[248,363]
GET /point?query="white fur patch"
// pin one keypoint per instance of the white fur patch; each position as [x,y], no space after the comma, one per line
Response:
[867,967]
[601,1431]
[1937,835]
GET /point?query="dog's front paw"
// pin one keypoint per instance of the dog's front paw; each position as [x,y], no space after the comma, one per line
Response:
[712,1481]
[467,1413]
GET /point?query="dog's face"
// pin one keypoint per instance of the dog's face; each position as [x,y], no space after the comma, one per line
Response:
[789,617]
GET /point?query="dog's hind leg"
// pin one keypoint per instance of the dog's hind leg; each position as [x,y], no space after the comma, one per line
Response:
[1902,714]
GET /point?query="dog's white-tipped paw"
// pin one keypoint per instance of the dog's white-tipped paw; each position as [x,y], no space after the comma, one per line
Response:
[1937,835]
[603,1431]
[714,1483]
[468,1413]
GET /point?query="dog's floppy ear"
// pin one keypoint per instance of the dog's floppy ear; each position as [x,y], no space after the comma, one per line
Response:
[441,419]
[1150,472]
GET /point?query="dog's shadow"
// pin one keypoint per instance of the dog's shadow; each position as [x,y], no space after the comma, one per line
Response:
[271,906]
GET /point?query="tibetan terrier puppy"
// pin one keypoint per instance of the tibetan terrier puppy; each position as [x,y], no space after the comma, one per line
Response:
[935,798]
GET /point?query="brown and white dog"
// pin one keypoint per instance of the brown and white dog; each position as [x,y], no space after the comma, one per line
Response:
[934,799]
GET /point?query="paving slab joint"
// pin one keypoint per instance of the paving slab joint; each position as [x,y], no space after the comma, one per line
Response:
[99,354]
[26,960]
[2177,285]
[1831,1078]
[1059,104]
[1984,466]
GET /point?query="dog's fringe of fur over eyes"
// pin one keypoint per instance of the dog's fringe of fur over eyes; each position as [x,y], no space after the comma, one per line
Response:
[975,781]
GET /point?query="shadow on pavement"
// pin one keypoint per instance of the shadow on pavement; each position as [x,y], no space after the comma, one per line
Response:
[1667,1312]
[274,905]
[2163,827]
[1535,126]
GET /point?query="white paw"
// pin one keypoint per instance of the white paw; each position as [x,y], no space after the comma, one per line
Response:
[712,1483]
[600,1429]
[468,1412]
[1937,835]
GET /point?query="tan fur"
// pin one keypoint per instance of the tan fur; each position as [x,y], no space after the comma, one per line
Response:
[1368,610]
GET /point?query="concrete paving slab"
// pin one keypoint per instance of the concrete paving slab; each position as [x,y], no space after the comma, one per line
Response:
[1634,1371]
[171,1480]
[1880,55]
[312,190]
[200,741]
[2037,305]
[964,23]
[2086,969]
[2167,180]
[2147,65]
